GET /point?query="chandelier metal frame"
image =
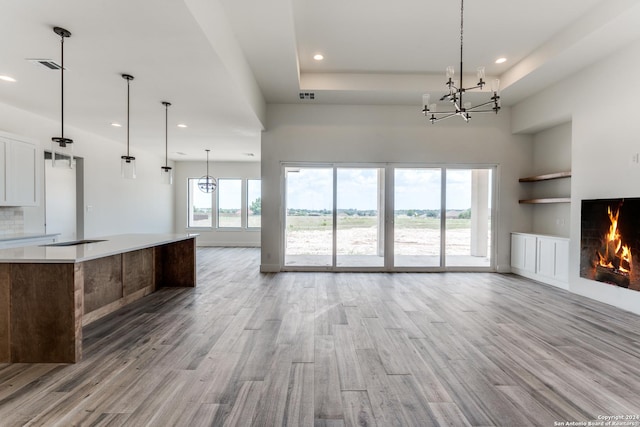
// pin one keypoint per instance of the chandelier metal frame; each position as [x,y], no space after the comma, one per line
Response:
[207,184]
[456,93]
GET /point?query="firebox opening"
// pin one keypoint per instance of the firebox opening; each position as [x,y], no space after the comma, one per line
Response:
[610,240]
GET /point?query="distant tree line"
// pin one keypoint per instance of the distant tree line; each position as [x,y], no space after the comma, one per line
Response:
[425,213]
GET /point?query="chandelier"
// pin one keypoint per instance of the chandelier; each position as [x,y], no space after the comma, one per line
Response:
[207,184]
[455,96]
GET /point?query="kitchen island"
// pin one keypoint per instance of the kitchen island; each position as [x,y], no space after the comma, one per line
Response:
[49,292]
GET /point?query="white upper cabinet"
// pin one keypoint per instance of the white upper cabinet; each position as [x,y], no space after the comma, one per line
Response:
[18,172]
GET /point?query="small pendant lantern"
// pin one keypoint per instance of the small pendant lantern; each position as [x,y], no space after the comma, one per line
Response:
[207,184]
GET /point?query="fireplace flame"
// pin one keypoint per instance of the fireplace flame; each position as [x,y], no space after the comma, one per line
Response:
[616,255]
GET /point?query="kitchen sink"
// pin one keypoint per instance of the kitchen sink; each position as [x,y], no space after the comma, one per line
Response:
[74,243]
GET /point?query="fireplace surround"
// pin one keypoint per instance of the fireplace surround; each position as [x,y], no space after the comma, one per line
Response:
[610,241]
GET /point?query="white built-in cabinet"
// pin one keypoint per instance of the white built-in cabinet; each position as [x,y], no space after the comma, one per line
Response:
[540,257]
[18,171]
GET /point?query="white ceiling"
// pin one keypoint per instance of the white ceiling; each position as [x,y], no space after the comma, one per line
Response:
[219,62]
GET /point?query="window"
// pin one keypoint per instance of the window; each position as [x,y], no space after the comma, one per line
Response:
[229,203]
[254,203]
[200,205]
[236,202]
[439,217]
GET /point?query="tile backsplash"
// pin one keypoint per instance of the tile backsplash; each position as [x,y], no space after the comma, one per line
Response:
[11,220]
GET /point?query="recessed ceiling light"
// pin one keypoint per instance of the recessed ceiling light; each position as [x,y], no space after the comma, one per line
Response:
[180,153]
[116,125]
[318,57]
[7,79]
[501,60]
[182,125]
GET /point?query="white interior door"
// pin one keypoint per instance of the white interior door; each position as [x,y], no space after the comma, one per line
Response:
[60,201]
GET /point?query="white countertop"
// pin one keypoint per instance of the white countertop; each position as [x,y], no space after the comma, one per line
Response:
[540,235]
[70,254]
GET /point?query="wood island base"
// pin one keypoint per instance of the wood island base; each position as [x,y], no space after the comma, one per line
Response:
[43,306]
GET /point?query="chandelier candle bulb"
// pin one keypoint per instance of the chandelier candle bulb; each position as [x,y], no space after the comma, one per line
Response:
[481,76]
[495,85]
[425,102]
[450,72]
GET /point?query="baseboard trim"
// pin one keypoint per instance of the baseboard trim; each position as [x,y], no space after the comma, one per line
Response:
[226,245]
[269,268]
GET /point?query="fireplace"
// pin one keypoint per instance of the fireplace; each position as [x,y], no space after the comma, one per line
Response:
[610,242]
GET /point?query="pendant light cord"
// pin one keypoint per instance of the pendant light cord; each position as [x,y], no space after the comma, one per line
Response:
[166,134]
[461,43]
[128,78]
[62,86]
[61,139]
[128,85]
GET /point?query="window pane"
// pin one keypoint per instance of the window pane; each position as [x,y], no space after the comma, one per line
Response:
[417,217]
[199,206]
[360,217]
[254,203]
[308,235]
[229,203]
[468,220]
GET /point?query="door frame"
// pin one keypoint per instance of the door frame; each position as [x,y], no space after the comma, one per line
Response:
[389,222]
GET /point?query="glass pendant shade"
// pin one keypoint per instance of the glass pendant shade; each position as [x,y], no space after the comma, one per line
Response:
[166,175]
[128,167]
[61,156]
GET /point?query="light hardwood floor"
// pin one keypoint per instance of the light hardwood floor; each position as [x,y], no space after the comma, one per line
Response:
[327,349]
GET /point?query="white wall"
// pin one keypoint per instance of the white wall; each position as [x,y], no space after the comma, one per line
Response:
[213,237]
[399,134]
[118,206]
[605,134]
[551,153]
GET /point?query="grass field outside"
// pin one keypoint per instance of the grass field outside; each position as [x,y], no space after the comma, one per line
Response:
[358,235]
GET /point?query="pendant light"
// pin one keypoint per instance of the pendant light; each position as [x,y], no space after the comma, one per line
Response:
[166,173]
[128,162]
[60,145]
[207,184]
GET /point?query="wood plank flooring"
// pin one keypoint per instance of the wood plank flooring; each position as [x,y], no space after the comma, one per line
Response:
[339,349]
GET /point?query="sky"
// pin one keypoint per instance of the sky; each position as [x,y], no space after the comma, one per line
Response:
[311,188]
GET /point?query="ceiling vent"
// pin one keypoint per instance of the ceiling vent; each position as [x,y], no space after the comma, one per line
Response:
[49,63]
[307,95]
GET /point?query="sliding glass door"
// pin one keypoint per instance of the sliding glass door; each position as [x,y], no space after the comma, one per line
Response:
[359,217]
[468,218]
[308,234]
[417,219]
[388,218]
